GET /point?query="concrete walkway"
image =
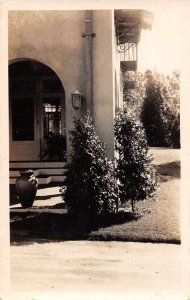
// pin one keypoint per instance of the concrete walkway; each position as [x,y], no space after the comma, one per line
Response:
[96,266]
[46,196]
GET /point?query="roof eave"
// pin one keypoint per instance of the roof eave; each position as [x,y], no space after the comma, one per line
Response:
[129,23]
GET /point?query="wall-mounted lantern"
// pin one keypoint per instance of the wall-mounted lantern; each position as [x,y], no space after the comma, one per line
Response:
[76,99]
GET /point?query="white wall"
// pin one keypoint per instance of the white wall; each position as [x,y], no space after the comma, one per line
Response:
[53,38]
[103,78]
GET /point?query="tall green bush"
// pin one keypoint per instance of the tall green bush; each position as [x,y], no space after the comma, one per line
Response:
[135,172]
[160,110]
[91,188]
[156,101]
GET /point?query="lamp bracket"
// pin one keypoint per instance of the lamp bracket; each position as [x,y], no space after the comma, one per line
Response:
[91,34]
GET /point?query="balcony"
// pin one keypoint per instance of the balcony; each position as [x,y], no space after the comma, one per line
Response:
[128,26]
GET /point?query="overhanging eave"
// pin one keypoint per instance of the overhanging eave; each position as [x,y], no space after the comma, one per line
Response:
[129,22]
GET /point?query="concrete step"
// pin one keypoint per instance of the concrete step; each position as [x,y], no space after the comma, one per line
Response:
[37,164]
[46,172]
[57,178]
[12,180]
[44,179]
[54,171]
[41,179]
[16,173]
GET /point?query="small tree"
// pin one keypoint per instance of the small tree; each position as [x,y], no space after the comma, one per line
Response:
[91,188]
[135,172]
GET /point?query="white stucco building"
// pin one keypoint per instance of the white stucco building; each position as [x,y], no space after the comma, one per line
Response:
[51,55]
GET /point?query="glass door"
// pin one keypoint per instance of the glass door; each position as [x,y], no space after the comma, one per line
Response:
[23,120]
[54,140]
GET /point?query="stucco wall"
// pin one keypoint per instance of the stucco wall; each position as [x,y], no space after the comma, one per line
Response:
[103,78]
[53,38]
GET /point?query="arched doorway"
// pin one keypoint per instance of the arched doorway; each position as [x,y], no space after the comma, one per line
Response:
[37,112]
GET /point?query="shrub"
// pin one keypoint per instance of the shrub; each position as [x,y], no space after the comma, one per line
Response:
[160,110]
[91,188]
[133,98]
[134,170]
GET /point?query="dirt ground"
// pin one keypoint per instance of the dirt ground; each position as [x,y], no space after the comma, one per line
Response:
[96,266]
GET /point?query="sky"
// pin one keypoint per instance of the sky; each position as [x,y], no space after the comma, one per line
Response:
[159,48]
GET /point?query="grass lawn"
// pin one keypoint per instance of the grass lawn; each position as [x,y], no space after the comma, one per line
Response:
[159,220]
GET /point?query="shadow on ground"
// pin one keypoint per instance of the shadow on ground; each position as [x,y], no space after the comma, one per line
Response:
[61,227]
[168,171]
[46,226]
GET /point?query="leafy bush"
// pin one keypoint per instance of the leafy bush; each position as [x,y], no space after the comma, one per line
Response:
[134,170]
[133,98]
[160,110]
[155,100]
[91,188]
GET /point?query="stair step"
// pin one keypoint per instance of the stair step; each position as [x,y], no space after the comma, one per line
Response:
[45,171]
[57,178]
[37,164]
[12,180]
[16,172]
[44,179]
[41,179]
[53,171]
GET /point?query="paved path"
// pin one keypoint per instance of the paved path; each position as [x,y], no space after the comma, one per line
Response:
[95,266]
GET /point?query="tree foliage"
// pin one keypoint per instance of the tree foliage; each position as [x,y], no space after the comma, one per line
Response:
[160,111]
[135,172]
[133,98]
[91,188]
[156,101]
